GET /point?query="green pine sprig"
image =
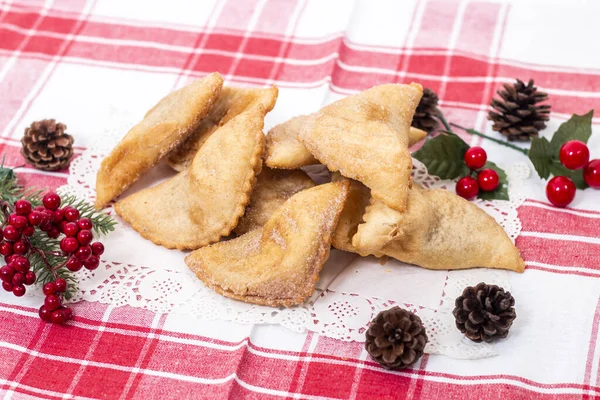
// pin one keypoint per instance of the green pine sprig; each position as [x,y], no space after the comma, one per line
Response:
[103,223]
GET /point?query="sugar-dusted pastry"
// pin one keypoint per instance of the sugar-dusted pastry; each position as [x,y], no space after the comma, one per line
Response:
[365,137]
[439,230]
[272,189]
[203,203]
[165,126]
[351,216]
[278,264]
[231,102]
[284,150]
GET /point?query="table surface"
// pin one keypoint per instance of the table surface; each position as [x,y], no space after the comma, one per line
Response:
[74,60]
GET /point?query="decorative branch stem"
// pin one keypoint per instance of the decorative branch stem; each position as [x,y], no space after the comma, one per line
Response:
[443,120]
[502,142]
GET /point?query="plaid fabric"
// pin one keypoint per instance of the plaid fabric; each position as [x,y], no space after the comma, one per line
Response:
[73,60]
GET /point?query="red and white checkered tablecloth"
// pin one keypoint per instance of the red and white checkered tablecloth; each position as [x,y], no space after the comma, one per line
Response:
[75,60]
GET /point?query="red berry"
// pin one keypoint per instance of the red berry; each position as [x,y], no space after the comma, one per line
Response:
[91,263]
[574,154]
[85,223]
[74,264]
[591,174]
[6,273]
[11,233]
[53,233]
[21,264]
[52,302]
[45,226]
[29,231]
[19,290]
[30,278]
[58,316]
[560,191]
[85,237]
[68,312]
[97,248]
[1,235]
[71,214]
[44,313]
[60,285]
[22,207]
[475,157]
[58,216]
[83,252]
[69,245]
[20,247]
[7,286]
[18,221]
[70,229]
[35,218]
[6,249]
[18,279]
[48,288]
[51,201]
[467,187]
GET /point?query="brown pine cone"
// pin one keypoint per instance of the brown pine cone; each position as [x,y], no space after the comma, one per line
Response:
[518,115]
[484,312]
[426,112]
[46,146]
[396,338]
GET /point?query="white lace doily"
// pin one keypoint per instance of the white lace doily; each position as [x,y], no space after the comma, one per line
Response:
[350,292]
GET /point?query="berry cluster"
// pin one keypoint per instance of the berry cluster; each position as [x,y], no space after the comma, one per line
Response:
[487,179]
[76,247]
[574,155]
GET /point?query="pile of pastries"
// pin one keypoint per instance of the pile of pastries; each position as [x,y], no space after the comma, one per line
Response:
[260,228]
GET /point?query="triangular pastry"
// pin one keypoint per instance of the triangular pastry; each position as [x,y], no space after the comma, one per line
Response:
[365,137]
[284,151]
[278,264]
[203,203]
[439,230]
[231,102]
[351,216]
[164,127]
[272,189]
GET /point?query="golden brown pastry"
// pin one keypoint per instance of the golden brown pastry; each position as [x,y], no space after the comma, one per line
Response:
[165,126]
[439,230]
[358,199]
[278,264]
[284,150]
[365,137]
[272,189]
[231,102]
[203,203]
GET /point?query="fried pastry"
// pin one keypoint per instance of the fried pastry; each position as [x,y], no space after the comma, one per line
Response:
[351,216]
[203,203]
[278,264]
[272,189]
[284,150]
[164,127]
[365,137]
[231,102]
[439,230]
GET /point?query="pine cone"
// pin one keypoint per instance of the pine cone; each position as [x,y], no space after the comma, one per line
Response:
[46,146]
[484,312]
[426,112]
[396,338]
[517,115]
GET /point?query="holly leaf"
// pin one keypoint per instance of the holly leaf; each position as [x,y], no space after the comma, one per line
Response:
[540,154]
[578,127]
[443,156]
[501,192]
[577,178]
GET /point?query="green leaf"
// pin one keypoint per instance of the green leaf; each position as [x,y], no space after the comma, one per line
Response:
[540,154]
[578,127]
[577,178]
[501,192]
[443,156]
